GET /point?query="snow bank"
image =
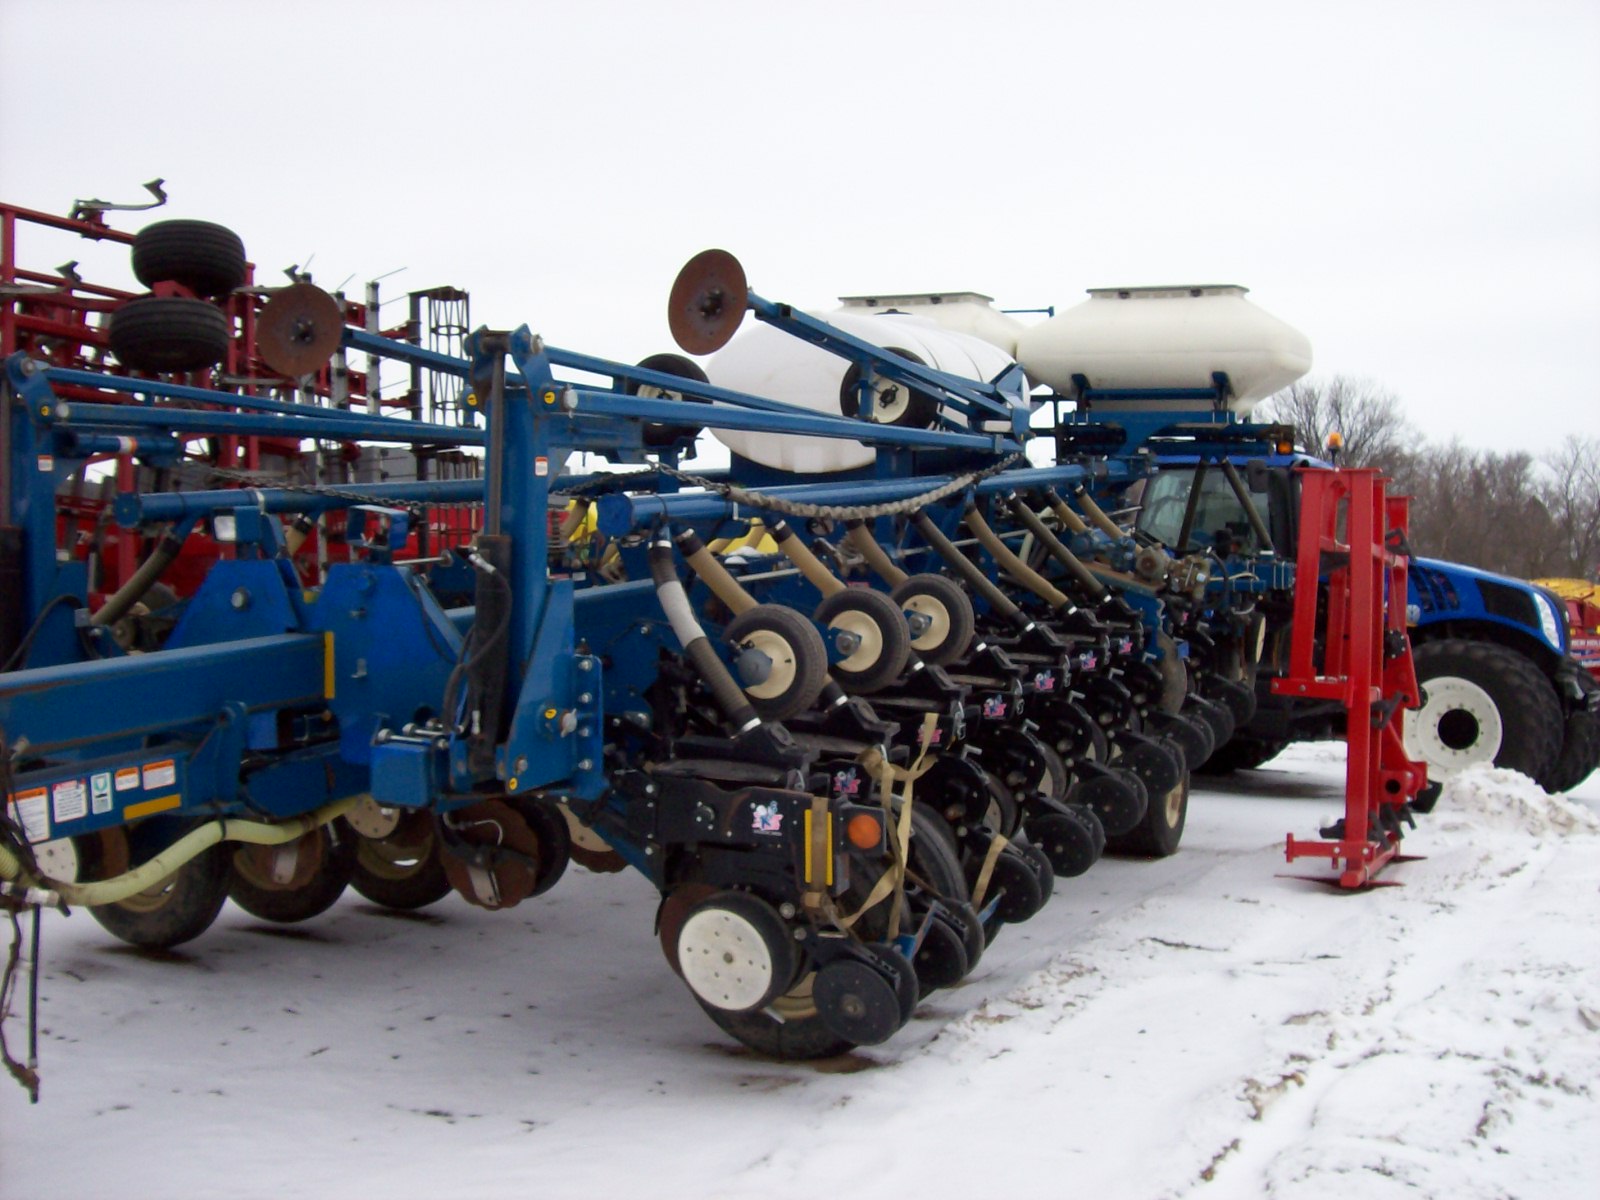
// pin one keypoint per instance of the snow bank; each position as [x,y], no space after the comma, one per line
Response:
[1488,798]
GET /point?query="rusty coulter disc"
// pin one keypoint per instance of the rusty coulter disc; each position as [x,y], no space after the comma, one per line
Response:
[299,329]
[708,302]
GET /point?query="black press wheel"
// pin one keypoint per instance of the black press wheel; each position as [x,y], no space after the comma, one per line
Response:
[1482,703]
[165,334]
[874,639]
[207,259]
[945,613]
[296,882]
[779,660]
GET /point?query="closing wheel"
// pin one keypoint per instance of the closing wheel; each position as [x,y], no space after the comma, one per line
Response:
[206,258]
[871,636]
[779,660]
[1189,734]
[857,1002]
[175,910]
[1067,840]
[1043,872]
[1016,884]
[1217,716]
[296,881]
[162,334]
[735,952]
[941,959]
[402,870]
[944,613]
[1158,834]
[555,841]
[1157,767]
[1239,698]
[1117,799]
[659,433]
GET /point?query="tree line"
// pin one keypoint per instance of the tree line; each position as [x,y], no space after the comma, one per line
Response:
[1506,511]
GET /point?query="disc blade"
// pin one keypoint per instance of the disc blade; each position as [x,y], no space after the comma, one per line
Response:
[708,302]
[299,329]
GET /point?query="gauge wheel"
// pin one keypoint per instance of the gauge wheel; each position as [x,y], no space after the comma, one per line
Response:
[779,660]
[947,610]
[295,881]
[166,334]
[879,640]
[401,871]
[206,258]
[175,910]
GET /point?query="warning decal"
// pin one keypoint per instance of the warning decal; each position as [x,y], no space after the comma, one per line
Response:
[161,774]
[30,810]
[127,779]
[70,800]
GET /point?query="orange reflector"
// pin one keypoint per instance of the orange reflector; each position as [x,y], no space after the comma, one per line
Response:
[864,831]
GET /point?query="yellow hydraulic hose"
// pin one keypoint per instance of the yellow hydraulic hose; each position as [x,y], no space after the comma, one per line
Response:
[146,875]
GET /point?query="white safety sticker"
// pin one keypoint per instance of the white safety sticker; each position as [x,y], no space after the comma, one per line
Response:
[541,466]
[100,793]
[160,774]
[70,800]
[127,779]
[47,463]
[31,810]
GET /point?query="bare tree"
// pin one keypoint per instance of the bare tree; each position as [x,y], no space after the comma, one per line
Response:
[1364,413]
[1572,496]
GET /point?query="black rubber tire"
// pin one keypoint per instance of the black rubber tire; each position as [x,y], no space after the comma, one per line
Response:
[207,259]
[869,668]
[1523,700]
[1161,830]
[921,409]
[797,650]
[1580,753]
[287,906]
[405,884]
[167,334]
[1217,716]
[935,869]
[942,598]
[555,841]
[1242,753]
[657,434]
[193,896]
[1239,698]
[1067,840]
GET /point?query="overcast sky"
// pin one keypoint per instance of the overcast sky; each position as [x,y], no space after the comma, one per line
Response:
[1414,185]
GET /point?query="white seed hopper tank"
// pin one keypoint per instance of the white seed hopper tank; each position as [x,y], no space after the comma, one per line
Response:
[971,313]
[767,362]
[1167,337]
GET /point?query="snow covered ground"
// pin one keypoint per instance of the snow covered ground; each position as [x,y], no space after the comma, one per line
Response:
[1200,1027]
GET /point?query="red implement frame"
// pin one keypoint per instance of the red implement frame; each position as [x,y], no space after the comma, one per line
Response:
[1353,538]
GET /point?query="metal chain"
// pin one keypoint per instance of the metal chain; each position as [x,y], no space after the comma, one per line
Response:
[841,512]
[255,479]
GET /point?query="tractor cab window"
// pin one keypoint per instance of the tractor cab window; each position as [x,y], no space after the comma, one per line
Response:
[1166,496]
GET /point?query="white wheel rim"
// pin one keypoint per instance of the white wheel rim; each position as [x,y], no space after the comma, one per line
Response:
[869,635]
[1425,734]
[784,667]
[889,403]
[725,960]
[938,621]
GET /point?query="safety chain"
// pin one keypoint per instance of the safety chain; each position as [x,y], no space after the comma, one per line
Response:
[601,483]
[255,479]
[840,512]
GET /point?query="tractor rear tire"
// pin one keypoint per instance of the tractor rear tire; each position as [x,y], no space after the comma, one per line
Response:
[207,259]
[1482,703]
[1580,753]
